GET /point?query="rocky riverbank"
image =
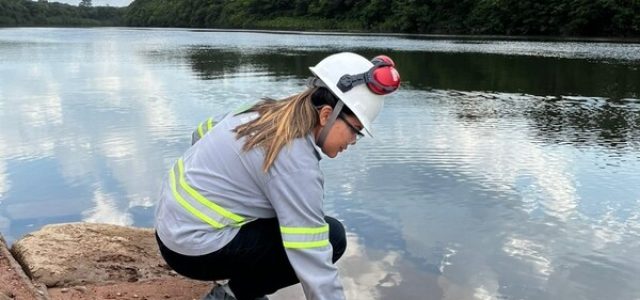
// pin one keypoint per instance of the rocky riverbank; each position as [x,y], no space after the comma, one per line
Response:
[90,261]
[14,283]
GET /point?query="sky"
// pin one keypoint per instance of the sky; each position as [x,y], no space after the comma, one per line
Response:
[98,2]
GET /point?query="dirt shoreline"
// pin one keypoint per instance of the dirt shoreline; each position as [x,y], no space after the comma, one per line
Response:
[14,283]
[87,261]
[27,282]
[172,288]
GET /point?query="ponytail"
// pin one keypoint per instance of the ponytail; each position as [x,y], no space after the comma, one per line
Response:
[279,123]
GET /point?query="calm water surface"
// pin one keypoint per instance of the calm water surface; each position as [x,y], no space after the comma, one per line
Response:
[501,170]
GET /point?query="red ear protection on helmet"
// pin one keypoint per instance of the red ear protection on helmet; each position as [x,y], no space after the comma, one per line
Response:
[382,78]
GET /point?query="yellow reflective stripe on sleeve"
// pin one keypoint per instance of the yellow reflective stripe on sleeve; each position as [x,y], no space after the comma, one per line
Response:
[306,245]
[202,199]
[200,133]
[209,124]
[188,206]
[304,230]
[305,237]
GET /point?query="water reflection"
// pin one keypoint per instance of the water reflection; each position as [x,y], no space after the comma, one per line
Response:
[505,163]
[372,274]
[84,131]
[542,76]
[212,63]
[105,210]
[531,75]
[610,121]
[489,172]
[495,173]
[583,121]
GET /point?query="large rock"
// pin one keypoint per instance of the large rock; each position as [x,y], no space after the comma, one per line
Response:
[84,253]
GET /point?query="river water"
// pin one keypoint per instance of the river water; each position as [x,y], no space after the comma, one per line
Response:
[500,170]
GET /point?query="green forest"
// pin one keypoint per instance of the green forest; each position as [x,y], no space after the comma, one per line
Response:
[597,18]
[44,13]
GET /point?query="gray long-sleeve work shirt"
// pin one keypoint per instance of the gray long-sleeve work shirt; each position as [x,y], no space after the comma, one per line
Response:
[216,169]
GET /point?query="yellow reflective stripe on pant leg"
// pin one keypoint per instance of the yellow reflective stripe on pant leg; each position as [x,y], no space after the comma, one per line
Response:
[204,201]
[306,245]
[304,230]
[200,133]
[188,206]
[209,124]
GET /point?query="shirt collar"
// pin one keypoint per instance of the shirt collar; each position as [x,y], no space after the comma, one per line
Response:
[311,139]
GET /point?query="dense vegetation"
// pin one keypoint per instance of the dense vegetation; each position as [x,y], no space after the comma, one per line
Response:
[501,17]
[43,13]
[511,17]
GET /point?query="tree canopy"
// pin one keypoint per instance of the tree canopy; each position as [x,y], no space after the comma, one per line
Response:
[44,13]
[605,18]
[500,17]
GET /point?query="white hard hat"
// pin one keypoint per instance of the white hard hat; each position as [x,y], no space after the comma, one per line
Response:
[365,104]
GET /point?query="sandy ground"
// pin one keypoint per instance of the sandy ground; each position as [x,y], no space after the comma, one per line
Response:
[15,285]
[174,288]
[12,285]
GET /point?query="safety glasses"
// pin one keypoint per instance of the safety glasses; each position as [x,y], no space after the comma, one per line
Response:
[353,128]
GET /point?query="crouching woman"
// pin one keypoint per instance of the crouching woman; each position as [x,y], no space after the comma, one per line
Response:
[245,202]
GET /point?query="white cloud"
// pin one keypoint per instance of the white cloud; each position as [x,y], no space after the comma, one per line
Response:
[362,276]
[530,252]
[106,210]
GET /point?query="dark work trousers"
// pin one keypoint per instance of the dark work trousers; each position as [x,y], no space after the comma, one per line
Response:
[255,261]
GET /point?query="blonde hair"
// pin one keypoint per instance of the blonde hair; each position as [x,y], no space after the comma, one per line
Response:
[279,122]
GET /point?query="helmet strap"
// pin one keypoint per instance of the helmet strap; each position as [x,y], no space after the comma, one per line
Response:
[332,119]
[315,82]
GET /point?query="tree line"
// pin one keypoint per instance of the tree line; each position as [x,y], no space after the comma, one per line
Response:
[44,13]
[500,17]
[605,18]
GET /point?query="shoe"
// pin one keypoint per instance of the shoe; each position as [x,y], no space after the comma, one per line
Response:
[218,293]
